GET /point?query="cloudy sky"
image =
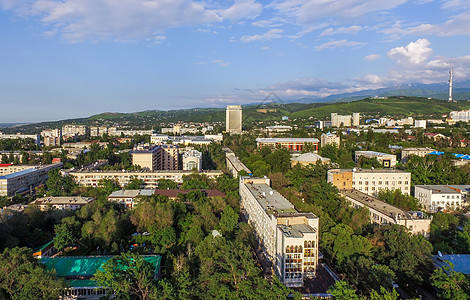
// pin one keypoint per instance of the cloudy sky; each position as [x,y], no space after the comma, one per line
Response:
[74,58]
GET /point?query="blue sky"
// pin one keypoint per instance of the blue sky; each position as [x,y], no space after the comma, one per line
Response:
[74,58]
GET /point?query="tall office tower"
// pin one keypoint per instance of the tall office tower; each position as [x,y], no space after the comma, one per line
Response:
[233,120]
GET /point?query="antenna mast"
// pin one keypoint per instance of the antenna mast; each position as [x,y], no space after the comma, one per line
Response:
[450,83]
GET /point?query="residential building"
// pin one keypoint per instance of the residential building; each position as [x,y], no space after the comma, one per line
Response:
[192,160]
[234,165]
[78,272]
[173,194]
[387,160]
[278,129]
[35,137]
[288,239]
[460,116]
[383,213]
[74,130]
[346,120]
[330,139]
[51,137]
[435,198]
[50,141]
[167,157]
[62,203]
[292,144]
[150,178]
[128,197]
[162,157]
[25,180]
[308,159]
[98,130]
[233,119]
[370,181]
[158,139]
[420,124]
[421,152]
[356,119]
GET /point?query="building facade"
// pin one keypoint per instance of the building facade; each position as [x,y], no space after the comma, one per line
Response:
[421,152]
[387,160]
[330,139]
[291,144]
[289,239]
[460,116]
[192,160]
[35,137]
[233,119]
[161,157]
[370,181]
[436,198]
[62,203]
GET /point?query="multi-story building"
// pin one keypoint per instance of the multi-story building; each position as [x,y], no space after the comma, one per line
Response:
[421,152]
[192,160]
[370,181]
[233,119]
[356,119]
[150,178]
[167,157]
[234,165]
[346,120]
[35,137]
[387,160]
[25,179]
[73,130]
[52,137]
[128,197]
[435,198]
[292,144]
[62,203]
[420,124]
[50,141]
[330,139]
[278,129]
[383,213]
[162,157]
[289,239]
[157,139]
[461,115]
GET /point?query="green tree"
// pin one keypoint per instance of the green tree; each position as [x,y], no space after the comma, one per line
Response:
[228,220]
[134,184]
[167,184]
[341,290]
[451,284]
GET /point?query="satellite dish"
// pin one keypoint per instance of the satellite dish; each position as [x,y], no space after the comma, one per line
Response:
[439,253]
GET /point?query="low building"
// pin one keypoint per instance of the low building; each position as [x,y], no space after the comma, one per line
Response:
[383,213]
[278,129]
[23,181]
[45,250]
[370,181]
[234,165]
[460,116]
[35,137]
[128,197]
[291,144]
[150,178]
[192,160]
[173,194]
[62,203]
[387,160]
[420,124]
[330,139]
[288,239]
[421,152]
[435,198]
[78,272]
[308,159]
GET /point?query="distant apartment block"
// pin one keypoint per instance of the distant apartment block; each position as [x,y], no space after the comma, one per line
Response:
[330,139]
[73,130]
[278,129]
[291,144]
[114,131]
[387,160]
[62,203]
[289,239]
[421,152]
[162,157]
[35,137]
[345,120]
[460,116]
[233,119]
[383,213]
[24,178]
[192,160]
[436,198]
[370,181]
[150,178]
[420,124]
[98,130]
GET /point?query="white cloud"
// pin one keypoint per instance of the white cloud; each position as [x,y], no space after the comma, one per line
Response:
[342,30]
[264,48]
[269,35]
[266,23]
[94,20]
[372,57]
[414,52]
[221,63]
[337,44]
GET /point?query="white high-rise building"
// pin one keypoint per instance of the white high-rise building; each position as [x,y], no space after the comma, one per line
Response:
[233,119]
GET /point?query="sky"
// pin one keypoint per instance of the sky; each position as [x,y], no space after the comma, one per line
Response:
[63,59]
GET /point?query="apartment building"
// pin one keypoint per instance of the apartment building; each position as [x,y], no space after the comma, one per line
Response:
[233,119]
[234,165]
[167,157]
[330,139]
[150,178]
[192,160]
[370,181]
[98,130]
[421,152]
[460,116]
[25,179]
[35,137]
[128,197]
[289,239]
[51,137]
[345,120]
[62,203]
[73,130]
[162,157]
[436,198]
[291,144]
[387,160]
[383,213]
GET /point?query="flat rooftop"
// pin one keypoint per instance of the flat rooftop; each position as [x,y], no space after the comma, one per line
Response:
[142,171]
[19,173]
[269,199]
[380,206]
[418,149]
[339,171]
[296,231]
[461,262]
[439,189]
[287,140]
[374,153]
[63,200]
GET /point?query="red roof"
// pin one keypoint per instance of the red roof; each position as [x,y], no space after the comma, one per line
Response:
[5,165]
[174,193]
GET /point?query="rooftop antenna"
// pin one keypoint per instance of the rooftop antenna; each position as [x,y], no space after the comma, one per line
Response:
[450,83]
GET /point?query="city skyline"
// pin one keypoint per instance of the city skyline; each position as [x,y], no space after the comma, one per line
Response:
[73,59]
